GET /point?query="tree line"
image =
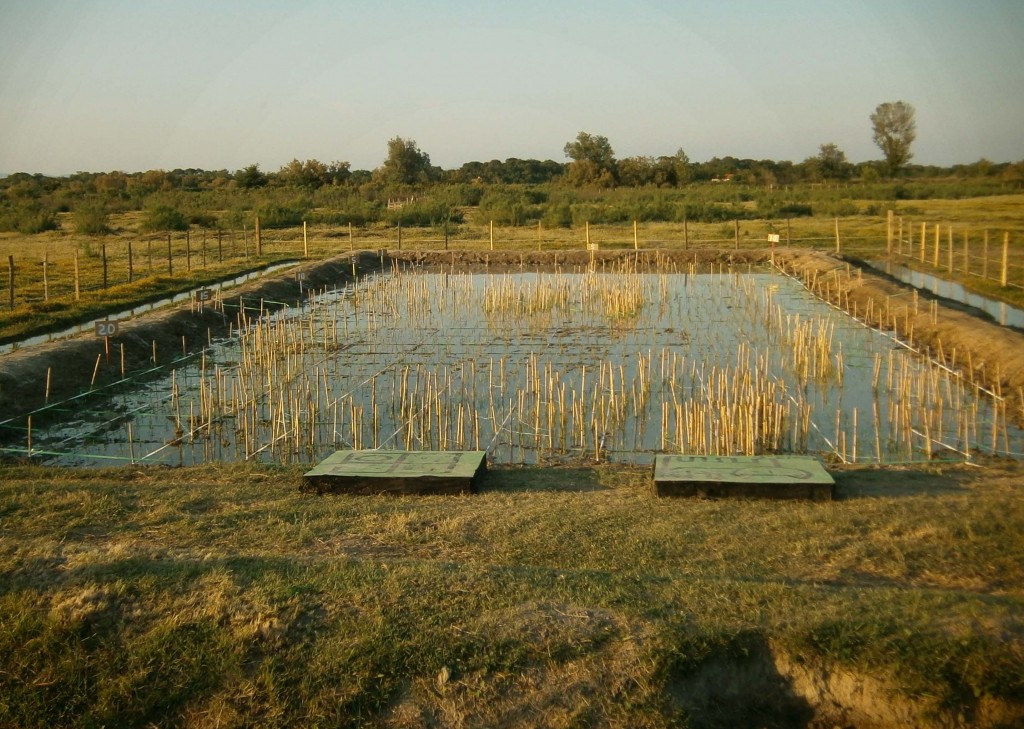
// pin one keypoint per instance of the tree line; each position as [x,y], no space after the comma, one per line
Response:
[175,199]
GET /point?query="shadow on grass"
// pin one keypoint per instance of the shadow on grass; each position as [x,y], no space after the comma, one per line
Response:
[872,483]
[543,479]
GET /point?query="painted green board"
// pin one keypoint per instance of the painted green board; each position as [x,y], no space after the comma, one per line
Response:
[771,476]
[370,471]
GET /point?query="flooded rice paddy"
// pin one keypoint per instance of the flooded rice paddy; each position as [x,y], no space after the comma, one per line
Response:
[545,366]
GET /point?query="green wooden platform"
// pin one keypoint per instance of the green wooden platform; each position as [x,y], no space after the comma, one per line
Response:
[399,472]
[779,477]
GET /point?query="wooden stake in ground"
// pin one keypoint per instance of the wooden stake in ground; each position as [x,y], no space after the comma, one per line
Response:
[888,233]
[1006,260]
[78,285]
[305,241]
[103,249]
[131,268]
[837,235]
[46,280]
[259,238]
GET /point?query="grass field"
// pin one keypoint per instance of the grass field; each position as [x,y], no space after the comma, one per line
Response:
[221,596]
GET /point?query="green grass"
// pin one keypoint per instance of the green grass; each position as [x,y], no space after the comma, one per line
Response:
[221,596]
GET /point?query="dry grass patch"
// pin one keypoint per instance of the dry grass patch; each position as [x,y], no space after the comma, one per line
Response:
[221,596]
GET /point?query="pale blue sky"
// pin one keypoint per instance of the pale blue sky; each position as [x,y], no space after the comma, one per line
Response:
[134,85]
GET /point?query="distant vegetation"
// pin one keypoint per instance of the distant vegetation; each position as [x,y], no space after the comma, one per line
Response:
[593,186]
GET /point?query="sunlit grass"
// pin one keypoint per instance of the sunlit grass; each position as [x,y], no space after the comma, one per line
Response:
[220,595]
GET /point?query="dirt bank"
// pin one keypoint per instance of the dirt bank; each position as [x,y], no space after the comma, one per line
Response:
[87,362]
[962,338]
[990,354]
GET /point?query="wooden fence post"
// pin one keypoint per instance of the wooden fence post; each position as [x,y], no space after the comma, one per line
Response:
[492,234]
[587,224]
[540,225]
[188,251]
[131,266]
[259,238]
[935,246]
[837,235]
[204,250]
[351,240]
[888,233]
[78,284]
[967,253]
[949,253]
[924,236]
[103,250]
[46,278]
[1006,258]
[10,279]
[636,240]
[305,241]
[220,246]
[170,257]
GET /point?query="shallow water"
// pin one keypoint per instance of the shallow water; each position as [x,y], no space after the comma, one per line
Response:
[534,367]
[88,326]
[1000,311]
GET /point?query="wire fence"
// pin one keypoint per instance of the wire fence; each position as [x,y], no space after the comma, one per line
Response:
[70,270]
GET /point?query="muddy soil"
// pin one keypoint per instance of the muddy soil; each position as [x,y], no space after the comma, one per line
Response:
[991,354]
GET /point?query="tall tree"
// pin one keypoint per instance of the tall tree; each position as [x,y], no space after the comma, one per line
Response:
[250,177]
[831,163]
[406,163]
[894,131]
[593,160]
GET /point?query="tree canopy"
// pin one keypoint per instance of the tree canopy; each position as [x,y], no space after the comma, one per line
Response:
[593,160]
[894,131]
[406,164]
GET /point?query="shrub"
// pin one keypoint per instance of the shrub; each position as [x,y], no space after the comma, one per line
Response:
[202,218]
[794,210]
[353,210]
[28,219]
[283,214]
[506,206]
[162,218]
[557,215]
[91,218]
[424,213]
